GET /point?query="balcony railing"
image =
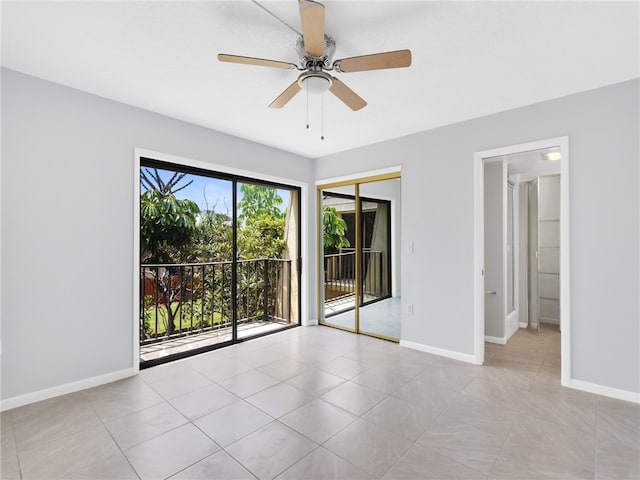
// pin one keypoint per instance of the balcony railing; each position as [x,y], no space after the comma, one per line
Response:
[185,299]
[340,275]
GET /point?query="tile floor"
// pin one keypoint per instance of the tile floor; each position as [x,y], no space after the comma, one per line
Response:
[319,403]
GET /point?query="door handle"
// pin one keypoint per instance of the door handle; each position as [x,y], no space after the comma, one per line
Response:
[490,292]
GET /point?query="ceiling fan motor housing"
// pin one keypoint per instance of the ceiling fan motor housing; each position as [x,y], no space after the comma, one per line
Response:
[324,61]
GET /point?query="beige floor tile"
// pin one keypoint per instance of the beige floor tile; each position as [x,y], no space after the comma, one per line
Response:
[271,450]
[57,421]
[477,448]
[567,449]
[10,468]
[318,420]
[144,425]
[67,454]
[232,423]
[219,466]
[400,417]
[279,399]
[323,465]
[178,384]
[446,375]
[284,369]
[574,411]
[168,454]
[343,367]
[369,447]
[497,394]
[248,383]
[479,412]
[518,463]
[113,468]
[353,398]
[219,368]
[422,463]
[121,398]
[386,379]
[615,459]
[205,400]
[436,398]
[315,382]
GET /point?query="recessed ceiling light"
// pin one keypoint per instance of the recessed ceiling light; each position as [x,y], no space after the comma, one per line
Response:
[553,156]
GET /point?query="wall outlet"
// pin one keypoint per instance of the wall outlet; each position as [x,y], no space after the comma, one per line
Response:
[410,308]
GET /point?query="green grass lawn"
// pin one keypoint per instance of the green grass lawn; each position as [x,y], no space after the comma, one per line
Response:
[183,317]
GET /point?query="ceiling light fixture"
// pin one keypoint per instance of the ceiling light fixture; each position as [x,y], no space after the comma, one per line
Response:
[315,82]
[552,156]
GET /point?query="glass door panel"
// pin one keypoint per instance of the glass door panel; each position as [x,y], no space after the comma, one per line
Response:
[338,214]
[380,313]
[267,276]
[185,262]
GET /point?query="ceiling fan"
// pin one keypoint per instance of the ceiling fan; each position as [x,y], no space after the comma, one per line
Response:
[315,49]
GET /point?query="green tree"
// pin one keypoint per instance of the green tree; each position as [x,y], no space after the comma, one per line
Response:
[167,229]
[151,180]
[258,200]
[167,226]
[334,229]
[261,237]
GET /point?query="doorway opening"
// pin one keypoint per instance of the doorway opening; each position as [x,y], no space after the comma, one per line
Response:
[522,248]
[358,262]
[219,259]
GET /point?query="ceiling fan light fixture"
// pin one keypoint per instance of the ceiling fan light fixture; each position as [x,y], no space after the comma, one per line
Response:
[315,82]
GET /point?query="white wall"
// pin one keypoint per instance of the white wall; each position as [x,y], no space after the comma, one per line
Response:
[438,216]
[67,225]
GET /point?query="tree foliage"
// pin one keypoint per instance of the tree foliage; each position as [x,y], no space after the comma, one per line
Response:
[151,180]
[261,237]
[167,226]
[334,230]
[258,200]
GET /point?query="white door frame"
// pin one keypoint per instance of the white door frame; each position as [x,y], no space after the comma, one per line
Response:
[565,299]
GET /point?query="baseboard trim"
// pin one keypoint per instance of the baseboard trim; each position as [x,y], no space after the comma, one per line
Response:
[550,321]
[498,340]
[523,324]
[44,394]
[464,357]
[604,390]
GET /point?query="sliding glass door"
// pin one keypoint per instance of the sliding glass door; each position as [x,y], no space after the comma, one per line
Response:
[356,257]
[219,260]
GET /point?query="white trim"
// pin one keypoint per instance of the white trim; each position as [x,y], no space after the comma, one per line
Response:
[604,390]
[360,175]
[464,357]
[523,324]
[39,395]
[511,324]
[498,340]
[136,262]
[565,264]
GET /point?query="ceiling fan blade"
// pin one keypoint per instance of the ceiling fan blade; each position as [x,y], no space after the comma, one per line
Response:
[285,96]
[312,19]
[376,61]
[348,96]
[262,62]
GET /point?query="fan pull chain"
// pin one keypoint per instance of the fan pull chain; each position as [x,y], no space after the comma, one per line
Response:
[307,109]
[322,117]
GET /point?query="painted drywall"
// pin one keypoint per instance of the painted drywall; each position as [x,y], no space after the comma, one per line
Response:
[438,216]
[67,224]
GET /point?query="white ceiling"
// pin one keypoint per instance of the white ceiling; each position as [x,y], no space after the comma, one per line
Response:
[469,59]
